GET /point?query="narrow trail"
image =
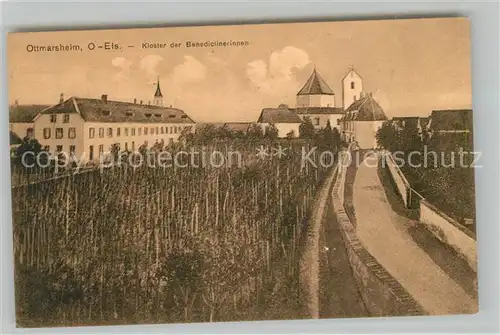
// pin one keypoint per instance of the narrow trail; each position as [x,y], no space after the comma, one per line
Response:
[384,235]
[309,264]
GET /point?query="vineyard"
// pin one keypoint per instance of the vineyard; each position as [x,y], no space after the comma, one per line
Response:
[149,245]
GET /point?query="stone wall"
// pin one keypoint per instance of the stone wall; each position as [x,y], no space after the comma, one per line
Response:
[449,232]
[402,184]
[381,293]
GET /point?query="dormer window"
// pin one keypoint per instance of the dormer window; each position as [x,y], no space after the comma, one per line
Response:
[184,116]
[171,116]
[106,113]
[129,113]
[148,114]
[157,114]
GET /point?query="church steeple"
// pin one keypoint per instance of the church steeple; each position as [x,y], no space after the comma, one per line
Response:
[158,97]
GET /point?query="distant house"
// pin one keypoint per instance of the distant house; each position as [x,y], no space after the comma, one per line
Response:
[451,128]
[21,118]
[235,127]
[452,121]
[285,119]
[316,101]
[361,122]
[15,140]
[88,128]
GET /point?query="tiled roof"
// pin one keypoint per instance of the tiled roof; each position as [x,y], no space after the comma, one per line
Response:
[315,85]
[365,109]
[406,121]
[14,139]
[99,110]
[319,110]
[233,126]
[25,113]
[278,115]
[451,119]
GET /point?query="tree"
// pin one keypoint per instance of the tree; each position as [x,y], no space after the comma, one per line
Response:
[387,136]
[30,148]
[306,129]
[255,131]
[271,132]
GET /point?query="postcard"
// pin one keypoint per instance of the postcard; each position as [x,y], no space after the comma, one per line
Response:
[242,172]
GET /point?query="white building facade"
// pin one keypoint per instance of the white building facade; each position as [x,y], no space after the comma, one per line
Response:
[88,128]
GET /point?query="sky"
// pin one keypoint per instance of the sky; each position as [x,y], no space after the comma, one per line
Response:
[411,66]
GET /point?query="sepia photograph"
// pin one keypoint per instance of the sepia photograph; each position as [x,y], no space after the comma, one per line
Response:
[276,171]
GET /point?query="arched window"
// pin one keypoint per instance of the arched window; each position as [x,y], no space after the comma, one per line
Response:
[352,85]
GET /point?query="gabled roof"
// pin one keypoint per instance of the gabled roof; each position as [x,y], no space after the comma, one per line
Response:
[451,119]
[24,113]
[318,110]
[351,71]
[365,109]
[315,85]
[278,115]
[238,126]
[14,139]
[98,110]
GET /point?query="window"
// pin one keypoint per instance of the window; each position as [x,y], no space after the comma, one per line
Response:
[157,132]
[29,132]
[46,133]
[91,132]
[110,132]
[338,122]
[166,130]
[126,131]
[59,148]
[317,121]
[59,133]
[146,144]
[352,85]
[162,130]
[140,131]
[71,132]
[66,118]
[46,148]
[145,130]
[133,146]
[72,149]
[132,131]
[91,152]
[101,150]
[152,130]
[171,130]
[126,146]
[101,132]
[53,118]
[118,131]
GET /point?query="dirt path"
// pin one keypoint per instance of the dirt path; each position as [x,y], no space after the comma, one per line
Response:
[384,235]
[309,264]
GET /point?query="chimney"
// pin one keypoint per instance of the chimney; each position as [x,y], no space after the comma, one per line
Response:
[135,101]
[370,94]
[141,102]
[104,98]
[362,94]
[61,98]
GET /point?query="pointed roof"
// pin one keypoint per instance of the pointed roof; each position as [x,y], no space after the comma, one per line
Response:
[158,91]
[315,85]
[351,70]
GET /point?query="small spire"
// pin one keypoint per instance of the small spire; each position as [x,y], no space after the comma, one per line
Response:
[158,90]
